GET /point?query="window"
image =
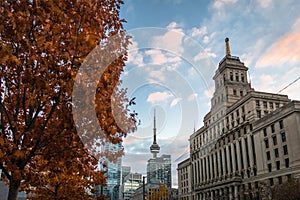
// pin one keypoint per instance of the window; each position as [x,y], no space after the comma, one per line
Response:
[274,140]
[281,124]
[276,152]
[278,165]
[224,77]
[277,105]
[287,162]
[271,105]
[242,77]
[237,113]
[243,109]
[265,104]
[269,167]
[268,155]
[279,179]
[267,143]
[258,113]
[257,103]
[266,112]
[236,76]
[285,150]
[234,92]
[273,128]
[283,137]
[231,76]
[271,182]
[265,132]
[241,93]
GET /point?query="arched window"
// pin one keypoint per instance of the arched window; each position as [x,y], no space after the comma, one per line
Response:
[237,76]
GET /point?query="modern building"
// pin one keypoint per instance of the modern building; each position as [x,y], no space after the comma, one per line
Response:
[131,183]
[111,190]
[158,168]
[250,140]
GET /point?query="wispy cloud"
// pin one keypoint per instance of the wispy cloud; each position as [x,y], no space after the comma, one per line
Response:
[218,4]
[175,101]
[158,97]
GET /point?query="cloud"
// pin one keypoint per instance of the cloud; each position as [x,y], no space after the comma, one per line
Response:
[209,93]
[192,97]
[218,4]
[158,97]
[175,101]
[134,56]
[204,55]
[171,40]
[286,49]
[264,3]
[198,31]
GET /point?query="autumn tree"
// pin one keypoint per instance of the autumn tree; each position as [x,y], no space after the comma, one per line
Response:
[43,44]
[289,190]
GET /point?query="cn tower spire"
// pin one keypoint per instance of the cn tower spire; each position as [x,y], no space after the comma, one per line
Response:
[154,148]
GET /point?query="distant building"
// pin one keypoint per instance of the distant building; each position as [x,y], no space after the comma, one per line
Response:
[158,168]
[113,173]
[250,140]
[131,182]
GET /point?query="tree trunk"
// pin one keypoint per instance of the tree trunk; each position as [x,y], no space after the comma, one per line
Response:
[13,191]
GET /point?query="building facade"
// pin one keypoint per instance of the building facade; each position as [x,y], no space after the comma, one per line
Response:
[249,141]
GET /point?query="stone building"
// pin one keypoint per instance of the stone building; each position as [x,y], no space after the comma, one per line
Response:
[249,142]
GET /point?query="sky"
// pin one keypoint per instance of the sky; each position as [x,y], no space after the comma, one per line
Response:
[176,47]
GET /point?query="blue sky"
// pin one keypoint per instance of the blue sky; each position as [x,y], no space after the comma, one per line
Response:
[176,47]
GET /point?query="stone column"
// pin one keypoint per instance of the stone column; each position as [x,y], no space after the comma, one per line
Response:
[236,192]
[219,163]
[199,171]
[223,162]
[230,193]
[228,159]
[238,157]
[207,168]
[250,149]
[244,153]
[233,157]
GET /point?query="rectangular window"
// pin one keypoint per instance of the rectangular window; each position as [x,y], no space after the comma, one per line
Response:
[285,150]
[267,143]
[271,105]
[236,76]
[241,93]
[274,140]
[258,113]
[243,109]
[283,137]
[287,162]
[265,104]
[271,182]
[277,105]
[269,167]
[268,155]
[234,92]
[281,124]
[265,132]
[257,102]
[276,152]
[278,165]
[273,128]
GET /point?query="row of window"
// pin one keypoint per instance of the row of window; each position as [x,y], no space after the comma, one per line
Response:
[277,163]
[276,152]
[265,104]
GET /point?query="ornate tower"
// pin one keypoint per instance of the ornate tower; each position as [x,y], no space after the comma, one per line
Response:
[154,148]
[231,82]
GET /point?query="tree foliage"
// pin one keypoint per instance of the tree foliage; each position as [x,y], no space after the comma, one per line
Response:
[43,44]
[289,190]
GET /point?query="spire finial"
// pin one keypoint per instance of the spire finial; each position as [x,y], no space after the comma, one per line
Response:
[154,128]
[227,47]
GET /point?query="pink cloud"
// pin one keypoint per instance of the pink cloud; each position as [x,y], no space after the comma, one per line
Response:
[285,50]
